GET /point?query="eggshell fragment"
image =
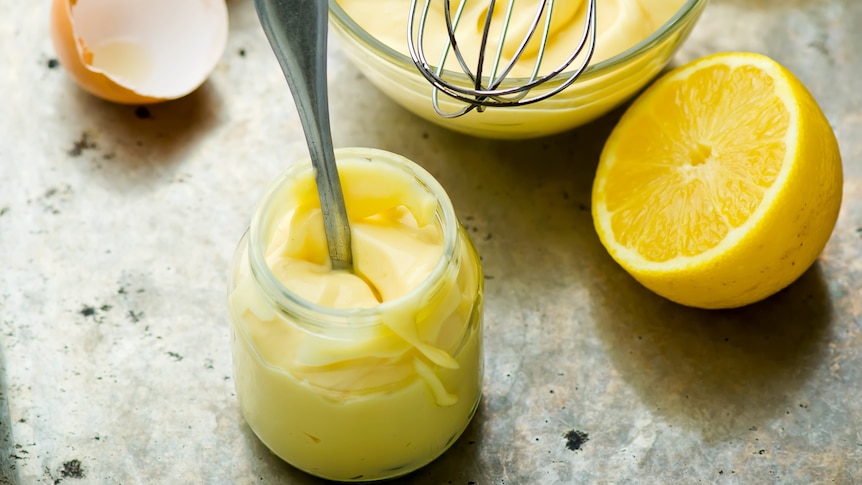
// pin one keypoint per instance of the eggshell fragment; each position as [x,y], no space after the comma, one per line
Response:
[139,52]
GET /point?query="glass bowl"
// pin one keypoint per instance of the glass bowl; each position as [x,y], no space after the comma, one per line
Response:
[602,87]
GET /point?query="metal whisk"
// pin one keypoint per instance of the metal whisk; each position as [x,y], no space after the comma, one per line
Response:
[479,91]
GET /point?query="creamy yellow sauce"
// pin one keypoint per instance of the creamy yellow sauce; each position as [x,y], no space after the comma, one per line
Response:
[392,396]
[620,25]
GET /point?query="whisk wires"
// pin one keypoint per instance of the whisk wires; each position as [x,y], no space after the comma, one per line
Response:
[470,86]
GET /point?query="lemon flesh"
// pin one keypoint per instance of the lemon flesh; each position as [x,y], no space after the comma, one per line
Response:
[721,184]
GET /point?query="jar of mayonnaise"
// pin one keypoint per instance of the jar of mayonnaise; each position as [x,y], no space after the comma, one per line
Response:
[365,375]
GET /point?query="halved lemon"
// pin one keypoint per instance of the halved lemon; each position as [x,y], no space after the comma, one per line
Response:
[721,183]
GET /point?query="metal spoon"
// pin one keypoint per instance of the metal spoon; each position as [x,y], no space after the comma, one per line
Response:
[296,30]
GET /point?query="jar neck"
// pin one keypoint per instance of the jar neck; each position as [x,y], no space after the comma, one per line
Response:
[336,322]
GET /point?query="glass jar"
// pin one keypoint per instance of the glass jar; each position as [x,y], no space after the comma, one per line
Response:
[364,393]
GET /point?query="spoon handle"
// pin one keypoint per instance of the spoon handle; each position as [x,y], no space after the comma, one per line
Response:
[296,30]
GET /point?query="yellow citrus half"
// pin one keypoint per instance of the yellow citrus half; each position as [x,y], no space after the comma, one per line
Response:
[721,184]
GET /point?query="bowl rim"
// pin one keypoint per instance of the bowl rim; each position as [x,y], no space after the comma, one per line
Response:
[689,8]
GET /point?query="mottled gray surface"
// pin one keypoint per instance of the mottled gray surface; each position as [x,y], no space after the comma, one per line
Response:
[114,360]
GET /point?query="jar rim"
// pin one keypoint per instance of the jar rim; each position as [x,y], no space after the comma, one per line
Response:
[354,318]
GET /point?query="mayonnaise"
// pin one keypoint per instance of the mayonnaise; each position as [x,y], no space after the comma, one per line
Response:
[364,375]
[620,25]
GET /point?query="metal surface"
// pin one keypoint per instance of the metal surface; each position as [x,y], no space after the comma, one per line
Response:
[297,32]
[117,223]
[491,89]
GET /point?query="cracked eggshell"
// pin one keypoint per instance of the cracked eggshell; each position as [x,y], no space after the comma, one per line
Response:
[139,52]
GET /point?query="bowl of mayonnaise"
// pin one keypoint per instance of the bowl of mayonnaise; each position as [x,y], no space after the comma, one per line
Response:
[636,39]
